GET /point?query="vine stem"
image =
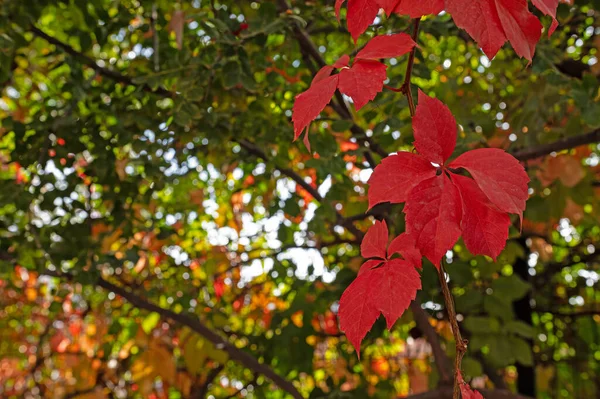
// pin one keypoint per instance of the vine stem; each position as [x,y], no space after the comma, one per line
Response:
[411,62]
[461,344]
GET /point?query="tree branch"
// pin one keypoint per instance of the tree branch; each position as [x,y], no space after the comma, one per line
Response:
[196,325]
[203,390]
[559,145]
[409,68]
[109,73]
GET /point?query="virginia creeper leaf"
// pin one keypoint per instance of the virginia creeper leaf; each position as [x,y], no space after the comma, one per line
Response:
[342,61]
[323,73]
[384,285]
[357,311]
[499,175]
[361,14]
[388,5]
[406,245]
[308,105]
[521,27]
[374,243]
[548,7]
[434,129]
[492,22]
[370,264]
[399,282]
[363,81]
[433,214]
[338,8]
[484,227]
[465,389]
[419,8]
[387,289]
[387,46]
[396,175]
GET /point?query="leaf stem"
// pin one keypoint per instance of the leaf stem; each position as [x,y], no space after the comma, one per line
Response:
[461,344]
[411,62]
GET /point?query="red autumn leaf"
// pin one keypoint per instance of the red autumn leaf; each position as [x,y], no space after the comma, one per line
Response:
[374,244]
[485,227]
[406,245]
[361,14]
[323,73]
[388,5]
[499,175]
[342,61]
[387,46]
[433,215]
[396,175]
[465,389]
[434,129]
[522,28]
[548,7]
[363,81]
[492,22]
[439,209]
[308,105]
[383,286]
[419,8]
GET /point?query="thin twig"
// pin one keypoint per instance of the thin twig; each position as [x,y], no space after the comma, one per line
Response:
[409,68]
[461,344]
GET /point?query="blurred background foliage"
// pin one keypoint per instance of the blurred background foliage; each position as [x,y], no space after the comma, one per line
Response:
[161,236]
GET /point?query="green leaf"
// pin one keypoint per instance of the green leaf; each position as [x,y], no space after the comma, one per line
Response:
[520,328]
[481,325]
[510,288]
[150,322]
[521,350]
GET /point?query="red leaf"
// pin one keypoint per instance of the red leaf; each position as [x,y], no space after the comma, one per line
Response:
[398,284]
[481,21]
[419,8]
[388,289]
[338,7]
[434,129]
[363,81]
[499,175]
[485,228]
[406,245]
[323,73]
[361,14]
[396,175]
[465,389]
[387,46]
[309,104]
[492,22]
[357,311]
[342,61]
[374,244]
[388,5]
[370,264]
[548,7]
[433,214]
[522,28]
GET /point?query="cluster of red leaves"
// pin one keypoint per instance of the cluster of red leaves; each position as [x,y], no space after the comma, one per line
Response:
[383,285]
[361,82]
[490,22]
[465,389]
[442,204]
